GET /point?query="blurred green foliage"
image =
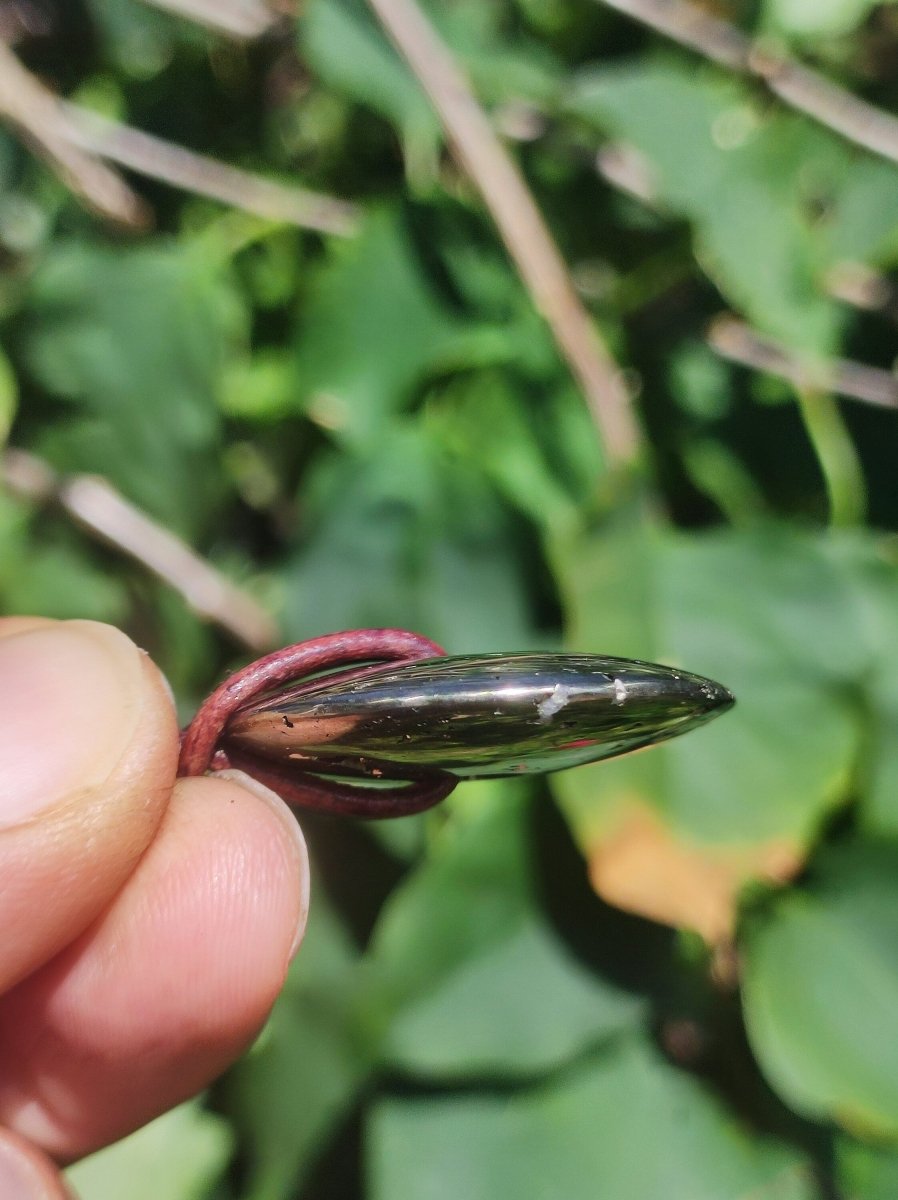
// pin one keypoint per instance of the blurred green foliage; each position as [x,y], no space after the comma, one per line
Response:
[672,975]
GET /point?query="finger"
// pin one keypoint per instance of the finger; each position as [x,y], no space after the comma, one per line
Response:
[13,625]
[168,987]
[26,1173]
[88,742]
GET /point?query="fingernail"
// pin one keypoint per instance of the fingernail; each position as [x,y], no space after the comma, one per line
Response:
[291,825]
[70,698]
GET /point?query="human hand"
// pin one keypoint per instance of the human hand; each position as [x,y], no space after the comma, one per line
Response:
[147,923]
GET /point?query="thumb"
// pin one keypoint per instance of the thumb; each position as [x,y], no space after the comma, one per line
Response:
[88,745]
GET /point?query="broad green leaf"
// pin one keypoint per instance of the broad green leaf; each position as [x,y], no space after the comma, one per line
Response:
[479,855]
[879,813]
[54,572]
[821,990]
[864,228]
[700,381]
[540,451]
[346,46]
[502,63]
[625,1125]
[780,619]
[9,396]
[873,568]
[817,18]
[520,1007]
[55,579]
[866,1172]
[406,534]
[141,44]
[476,981]
[375,330]
[134,341]
[749,182]
[296,1084]
[261,387]
[180,1156]
[733,606]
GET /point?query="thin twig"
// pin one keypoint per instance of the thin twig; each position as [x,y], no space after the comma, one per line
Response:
[237,18]
[861,287]
[626,169]
[519,221]
[21,20]
[801,87]
[97,507]
[37,114]
[737,342]
[159,159]
[74,141]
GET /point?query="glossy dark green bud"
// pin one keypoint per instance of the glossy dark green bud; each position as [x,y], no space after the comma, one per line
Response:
[477,716]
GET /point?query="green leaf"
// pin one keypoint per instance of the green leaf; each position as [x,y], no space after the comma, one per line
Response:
[873,571]
[180,1156]
[623,1125]
[287,1095]
[347,48]
[134,340]
[751,184]
[866,1172]
[475,980]
[798,627]
[821,990]
[9,396]
[879,813]
[540,451]
[783,756]
[375,331]
[863,227]
[140,43]
[404,534]
[53,573]
[344,45]
[261,387]
[57,581]
[817,18]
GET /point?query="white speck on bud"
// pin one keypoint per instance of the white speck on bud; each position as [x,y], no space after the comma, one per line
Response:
[554,702]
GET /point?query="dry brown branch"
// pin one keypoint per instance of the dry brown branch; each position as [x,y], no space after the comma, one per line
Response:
[737,342]
[801,87]
[237,18]
[519,221]
[159,159]
[97,507]
[74,141]
[23,19]
[627,170]
[38,116]
[861,287]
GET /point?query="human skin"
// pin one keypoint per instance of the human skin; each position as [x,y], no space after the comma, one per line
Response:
[148,922]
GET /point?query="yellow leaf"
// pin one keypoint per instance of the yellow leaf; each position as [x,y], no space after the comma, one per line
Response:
[642,866]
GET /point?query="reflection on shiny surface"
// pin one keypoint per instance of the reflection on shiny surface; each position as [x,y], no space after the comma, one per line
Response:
[476,716]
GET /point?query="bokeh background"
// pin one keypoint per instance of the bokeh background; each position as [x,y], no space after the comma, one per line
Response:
[281,357]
